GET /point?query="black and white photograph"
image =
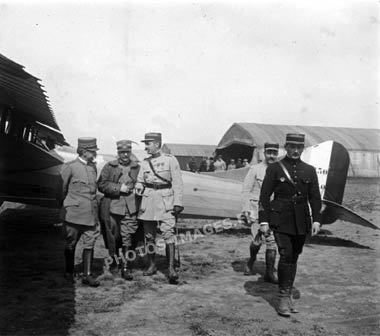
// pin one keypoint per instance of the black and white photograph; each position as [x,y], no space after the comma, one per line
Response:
[189,168]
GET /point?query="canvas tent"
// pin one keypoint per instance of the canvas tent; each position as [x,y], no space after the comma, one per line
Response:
[246,140]
[184,152]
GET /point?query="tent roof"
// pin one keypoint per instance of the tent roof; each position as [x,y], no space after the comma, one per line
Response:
[24,92]
[189,150]
[253,134]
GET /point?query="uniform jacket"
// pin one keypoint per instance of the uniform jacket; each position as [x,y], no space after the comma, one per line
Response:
[109,184]
[252,185]
[79,193]
[158,204]
[285,213]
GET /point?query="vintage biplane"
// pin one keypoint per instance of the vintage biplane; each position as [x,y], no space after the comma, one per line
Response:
[33,150]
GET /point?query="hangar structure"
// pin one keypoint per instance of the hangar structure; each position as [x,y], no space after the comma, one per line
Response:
[184,152]
[246,140]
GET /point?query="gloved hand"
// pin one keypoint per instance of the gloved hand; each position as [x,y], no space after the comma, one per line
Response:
[246,218]
[177,209]
[139,190]
[315,228]
[264,227]
[124,188]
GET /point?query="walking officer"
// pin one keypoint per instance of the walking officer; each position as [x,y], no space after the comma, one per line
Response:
[295,187]
[251,191]
[80,208]
[117,182]
[160,184]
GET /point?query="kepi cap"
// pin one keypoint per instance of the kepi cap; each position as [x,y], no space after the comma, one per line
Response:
[124,145]
[271,146]
[88,143]
[152,137]
[295,138]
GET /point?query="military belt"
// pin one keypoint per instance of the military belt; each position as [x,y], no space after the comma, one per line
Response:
[158,186]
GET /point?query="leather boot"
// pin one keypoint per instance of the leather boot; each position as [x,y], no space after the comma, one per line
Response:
[270,259]
[172,274]
[285,286]
[152,269]
[294,291]
[253,251]
[88,279]
[114,267]
[69,265]
[126,272]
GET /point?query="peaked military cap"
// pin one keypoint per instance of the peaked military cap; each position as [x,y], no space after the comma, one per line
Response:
[271,146]
[294,138]
[152,137]
[88,143]
[124,145]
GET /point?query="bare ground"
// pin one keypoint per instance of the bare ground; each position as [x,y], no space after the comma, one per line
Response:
[338,276]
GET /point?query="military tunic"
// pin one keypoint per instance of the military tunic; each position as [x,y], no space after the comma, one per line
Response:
[80,206]
[157,204]
[251,188]
[118,210]
[288,213]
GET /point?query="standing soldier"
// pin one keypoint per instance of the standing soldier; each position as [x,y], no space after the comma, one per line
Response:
[117,181]
[295,187]
[80,209]
[251,191]
[160,184]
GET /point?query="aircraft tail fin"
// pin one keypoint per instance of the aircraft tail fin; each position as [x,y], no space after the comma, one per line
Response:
[334,211]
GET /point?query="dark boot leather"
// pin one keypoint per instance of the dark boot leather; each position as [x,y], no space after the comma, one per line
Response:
[152,269]
[270,259]
[285,286]
[253,251]
[69,265]
[126,271]
[295,293]
[172,274]
[88,279]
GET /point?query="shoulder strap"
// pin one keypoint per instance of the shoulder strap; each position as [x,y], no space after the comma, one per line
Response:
[288,176]
[154,172]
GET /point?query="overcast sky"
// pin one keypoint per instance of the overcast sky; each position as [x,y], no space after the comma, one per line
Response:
[190,69]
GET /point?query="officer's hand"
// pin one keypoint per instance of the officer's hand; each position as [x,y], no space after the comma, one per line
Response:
[177,209]
[139,191]
[264,227]
[315,228]
[124,188]
[246,218]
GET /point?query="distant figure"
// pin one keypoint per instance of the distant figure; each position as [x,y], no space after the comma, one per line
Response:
[192,165]
[210,165]
[203,165]
[232,165]
[219,164]
[245,163]
[250,192]
[239,163]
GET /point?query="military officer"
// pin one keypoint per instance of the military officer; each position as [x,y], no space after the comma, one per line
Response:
[80,210]
[160,184]
[295,187]
[117,181]
[251,191]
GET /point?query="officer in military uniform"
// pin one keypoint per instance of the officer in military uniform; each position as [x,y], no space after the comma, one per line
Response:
[295,187]
[160,184]
[251,191]
[80,209]
[117,181]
